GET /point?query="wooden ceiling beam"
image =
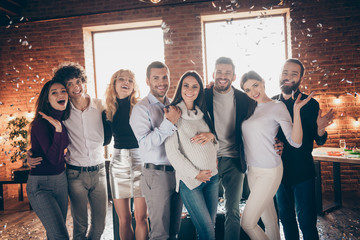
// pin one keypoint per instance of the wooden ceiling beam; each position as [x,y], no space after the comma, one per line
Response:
[11,7]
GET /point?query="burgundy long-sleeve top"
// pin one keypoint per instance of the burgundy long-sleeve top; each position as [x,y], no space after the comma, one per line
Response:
[49,144]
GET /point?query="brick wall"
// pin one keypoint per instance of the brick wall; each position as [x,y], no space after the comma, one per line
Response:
[324,35]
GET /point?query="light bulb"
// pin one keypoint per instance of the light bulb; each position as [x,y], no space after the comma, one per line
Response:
[337,100]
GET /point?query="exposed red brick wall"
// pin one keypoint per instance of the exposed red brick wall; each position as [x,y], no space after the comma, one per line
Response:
[324,35]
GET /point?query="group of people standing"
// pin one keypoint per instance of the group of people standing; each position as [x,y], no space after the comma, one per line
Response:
[167,153]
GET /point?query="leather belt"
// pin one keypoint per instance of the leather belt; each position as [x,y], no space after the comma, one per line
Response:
[164,168]
[86,169]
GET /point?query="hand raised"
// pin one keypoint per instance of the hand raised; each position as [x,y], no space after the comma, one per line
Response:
[54,122]
[300,103]
[326,120]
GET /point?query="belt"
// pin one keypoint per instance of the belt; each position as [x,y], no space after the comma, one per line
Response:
[86,169]
[159,167]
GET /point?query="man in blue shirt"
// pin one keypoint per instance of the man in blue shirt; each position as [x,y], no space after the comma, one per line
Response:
[152,123]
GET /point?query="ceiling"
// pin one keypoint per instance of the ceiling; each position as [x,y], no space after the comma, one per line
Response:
[10,9]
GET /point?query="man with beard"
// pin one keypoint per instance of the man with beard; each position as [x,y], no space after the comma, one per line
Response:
[296,194]
[152,123]
[223,101]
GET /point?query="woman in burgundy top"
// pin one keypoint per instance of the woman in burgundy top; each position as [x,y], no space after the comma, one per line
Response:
[47,184]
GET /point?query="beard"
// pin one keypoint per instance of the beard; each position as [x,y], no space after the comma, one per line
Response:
[220,88]
[289,89]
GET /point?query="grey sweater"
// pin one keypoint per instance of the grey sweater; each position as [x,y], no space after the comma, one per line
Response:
[186,157]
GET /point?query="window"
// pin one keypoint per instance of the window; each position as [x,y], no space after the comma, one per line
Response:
[126,46]
[110,48]
[254,41]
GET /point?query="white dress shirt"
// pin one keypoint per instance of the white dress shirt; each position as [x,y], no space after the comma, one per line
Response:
[86,133]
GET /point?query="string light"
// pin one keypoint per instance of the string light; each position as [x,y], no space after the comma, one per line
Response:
[356,122]
[337,99]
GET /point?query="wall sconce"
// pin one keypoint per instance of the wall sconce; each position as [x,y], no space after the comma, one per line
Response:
[155,1]
[30,115]
[356,122]
[337,99]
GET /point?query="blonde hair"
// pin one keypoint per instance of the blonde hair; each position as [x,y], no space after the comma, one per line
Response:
[110,95]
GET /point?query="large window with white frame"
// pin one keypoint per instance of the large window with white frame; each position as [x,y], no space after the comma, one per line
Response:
[121,46]
[125,46]
[254,40]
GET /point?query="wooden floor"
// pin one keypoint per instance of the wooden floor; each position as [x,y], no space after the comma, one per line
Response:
[18,222]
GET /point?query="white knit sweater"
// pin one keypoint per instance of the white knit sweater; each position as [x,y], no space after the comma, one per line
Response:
[186,157]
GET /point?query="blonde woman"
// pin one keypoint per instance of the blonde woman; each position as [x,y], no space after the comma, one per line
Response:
[125,168]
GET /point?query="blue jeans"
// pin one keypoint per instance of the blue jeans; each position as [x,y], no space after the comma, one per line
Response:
[299,198]
[201,203]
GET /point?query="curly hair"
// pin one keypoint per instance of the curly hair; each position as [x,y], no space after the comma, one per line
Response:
[110,95]
[69,70]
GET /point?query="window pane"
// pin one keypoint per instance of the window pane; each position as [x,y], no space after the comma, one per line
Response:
[253,44]
[131,49]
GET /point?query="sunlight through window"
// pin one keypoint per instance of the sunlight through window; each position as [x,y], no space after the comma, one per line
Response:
[253,43]
[132,49]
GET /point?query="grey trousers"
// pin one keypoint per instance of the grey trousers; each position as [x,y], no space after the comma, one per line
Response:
[232,182]
[163,203]
[84,188]
[48,196]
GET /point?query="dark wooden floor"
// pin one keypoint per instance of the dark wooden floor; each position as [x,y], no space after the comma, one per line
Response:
[18,222]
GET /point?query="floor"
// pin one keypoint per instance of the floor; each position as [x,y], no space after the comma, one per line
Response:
[18,222]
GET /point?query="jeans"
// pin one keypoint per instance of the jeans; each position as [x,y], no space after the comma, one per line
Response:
[87,187]
[232,182]
[48,196]
[201,203]
[299,198]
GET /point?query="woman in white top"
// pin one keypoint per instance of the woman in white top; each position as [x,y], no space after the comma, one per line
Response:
[264,164]
[192,153]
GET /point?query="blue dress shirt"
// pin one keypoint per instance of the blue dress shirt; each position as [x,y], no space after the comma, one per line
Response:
[151,129]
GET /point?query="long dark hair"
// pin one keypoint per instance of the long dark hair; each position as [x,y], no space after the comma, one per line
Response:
[43,104]
[199,101]
[250,75]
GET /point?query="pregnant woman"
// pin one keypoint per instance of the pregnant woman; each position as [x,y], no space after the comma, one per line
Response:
[192,153]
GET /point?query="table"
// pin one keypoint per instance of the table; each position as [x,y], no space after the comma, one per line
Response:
[10,181]
[320,155]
